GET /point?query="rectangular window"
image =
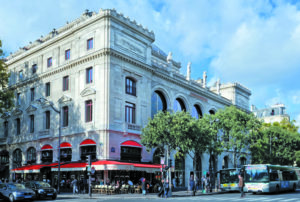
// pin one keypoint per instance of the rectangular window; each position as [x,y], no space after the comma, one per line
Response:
[47,90]
[18,122]
[89,75]
[21,75]
[67,54]
[130,86]
[31,127]
[34,68]
[47,115]
[89,44]
[5,128]
[65,116]
[130,112]
[88,111]
[31,94]
[18,98]
[66,83]
[49,62]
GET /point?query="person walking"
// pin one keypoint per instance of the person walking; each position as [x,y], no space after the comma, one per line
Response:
[203,180]
[207,183]
[161,190]
[166,188]
[192,185]
[144,186]
[75,188]
[241,185]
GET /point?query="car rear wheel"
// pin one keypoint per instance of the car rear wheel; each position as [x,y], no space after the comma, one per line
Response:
[11,198]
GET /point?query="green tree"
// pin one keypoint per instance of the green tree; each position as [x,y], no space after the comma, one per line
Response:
[6,95]
[277,143]
[238,127]
[297,157]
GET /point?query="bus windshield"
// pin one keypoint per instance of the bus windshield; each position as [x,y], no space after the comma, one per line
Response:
[256,174]
[228,176]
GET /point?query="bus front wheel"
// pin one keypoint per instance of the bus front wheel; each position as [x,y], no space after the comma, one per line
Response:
[253,192]
[277,189]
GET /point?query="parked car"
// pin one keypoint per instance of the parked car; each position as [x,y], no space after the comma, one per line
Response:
[15,191]
[41,189]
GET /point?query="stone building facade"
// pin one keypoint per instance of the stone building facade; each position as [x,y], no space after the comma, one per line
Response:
[107,78]
[274,113]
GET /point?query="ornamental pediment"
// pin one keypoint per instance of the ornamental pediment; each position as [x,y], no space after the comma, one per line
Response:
[44,102]
[5,115]
[31,108]
[65,99]
[17,112]
[88,91]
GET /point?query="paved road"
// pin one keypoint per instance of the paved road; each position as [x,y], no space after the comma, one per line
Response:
[228,197]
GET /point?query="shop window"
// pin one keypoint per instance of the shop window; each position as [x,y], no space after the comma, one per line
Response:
[47,156]
[88,150]
[131,154]
[65,154]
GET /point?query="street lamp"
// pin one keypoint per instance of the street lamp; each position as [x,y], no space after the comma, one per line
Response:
[40,100]
[211,175]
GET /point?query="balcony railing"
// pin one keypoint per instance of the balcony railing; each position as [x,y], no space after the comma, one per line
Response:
[133,127]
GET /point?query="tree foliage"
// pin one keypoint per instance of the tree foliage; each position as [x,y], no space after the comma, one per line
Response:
[277,143]
[237,128]
[6,95]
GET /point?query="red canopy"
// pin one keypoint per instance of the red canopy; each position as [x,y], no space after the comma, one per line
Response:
[88,142]
[117,165]
[131,143]
[65,145]
[46,146]
[32,168]
[76,166]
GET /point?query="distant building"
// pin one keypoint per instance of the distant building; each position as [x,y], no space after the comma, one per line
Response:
[275,113]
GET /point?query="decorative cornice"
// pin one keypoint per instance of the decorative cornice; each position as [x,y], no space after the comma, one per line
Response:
[31,108]
[88,91]
[17,112]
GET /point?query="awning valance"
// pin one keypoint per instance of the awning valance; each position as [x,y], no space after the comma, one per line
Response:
[65,145]
[47,147]
[32,168]
[81,166]
[87,142]
[131,143]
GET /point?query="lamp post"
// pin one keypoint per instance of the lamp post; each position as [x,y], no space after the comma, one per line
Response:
[59,136]
[211,175]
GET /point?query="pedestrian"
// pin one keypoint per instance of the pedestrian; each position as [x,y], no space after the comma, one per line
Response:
[144,186]
[75,188]
[241,185]
[161,189]
[192,185]
[174,182]
[196,183]
[166,188]
[81,186]
[207,183]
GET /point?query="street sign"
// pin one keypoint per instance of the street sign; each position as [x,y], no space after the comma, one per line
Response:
[93,170]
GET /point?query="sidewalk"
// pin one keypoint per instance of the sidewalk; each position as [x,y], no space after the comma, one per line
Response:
[133,196]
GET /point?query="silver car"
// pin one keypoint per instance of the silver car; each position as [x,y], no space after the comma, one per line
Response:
[16,191]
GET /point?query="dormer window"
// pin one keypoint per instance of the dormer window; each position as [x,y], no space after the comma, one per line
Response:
[130,86]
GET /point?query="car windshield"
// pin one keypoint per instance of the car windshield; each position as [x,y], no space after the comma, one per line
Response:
[257,174]
[42,184]
[16,186]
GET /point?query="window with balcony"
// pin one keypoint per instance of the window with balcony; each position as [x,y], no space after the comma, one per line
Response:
[65,116]
[47,89]
[89,44]
[130,86]
[88,111]
[31,126]
[47,119]
[130,113]
[65,83]
[67,54]
[89,75]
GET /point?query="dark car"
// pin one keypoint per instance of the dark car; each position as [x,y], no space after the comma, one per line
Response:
[41,189]
[15,191]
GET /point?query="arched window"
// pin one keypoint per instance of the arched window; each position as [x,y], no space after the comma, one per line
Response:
[212,111]
[65,152]
[243,161]
[225,162]
[47,153]
[131,151]
[88,147]
[157,154]
[130,86]
[179,105]
[31,155]
[196,112]
[158,103]
[17,158]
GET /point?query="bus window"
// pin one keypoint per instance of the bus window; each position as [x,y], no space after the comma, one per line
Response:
[257,174]
[293,175]
[274,176]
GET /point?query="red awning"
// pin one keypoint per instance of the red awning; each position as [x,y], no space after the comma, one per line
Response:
[46,146]
[71,167]
[131,144]
[117,165]
[65,145]
[87,142]
[32,168]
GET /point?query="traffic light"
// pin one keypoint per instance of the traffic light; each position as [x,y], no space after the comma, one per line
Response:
[89,160]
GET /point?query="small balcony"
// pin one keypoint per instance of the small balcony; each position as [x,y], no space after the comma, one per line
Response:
[133,127]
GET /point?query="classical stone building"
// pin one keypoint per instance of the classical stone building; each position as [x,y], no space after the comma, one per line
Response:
[107,78]
[274,113]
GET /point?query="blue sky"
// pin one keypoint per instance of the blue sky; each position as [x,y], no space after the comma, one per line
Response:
[255,43]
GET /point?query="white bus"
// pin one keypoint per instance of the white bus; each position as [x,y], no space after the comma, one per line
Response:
[229,180]
[270,178]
